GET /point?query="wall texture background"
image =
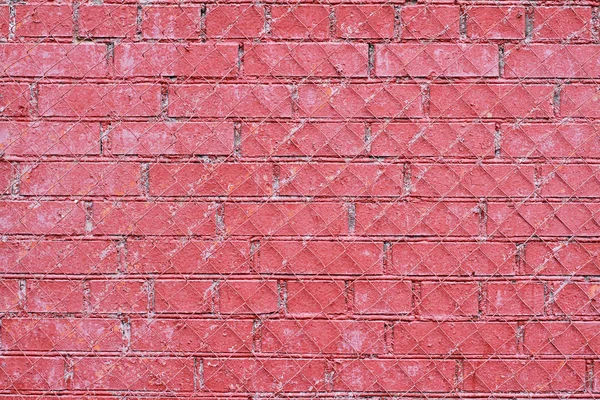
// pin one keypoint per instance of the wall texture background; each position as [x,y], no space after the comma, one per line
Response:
[253,200]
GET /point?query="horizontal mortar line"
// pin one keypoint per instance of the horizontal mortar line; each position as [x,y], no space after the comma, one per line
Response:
[157,120]
[305,199]
[304,238]
[231,159]
[306,277]
[276,315]
[265,356]
[288,79]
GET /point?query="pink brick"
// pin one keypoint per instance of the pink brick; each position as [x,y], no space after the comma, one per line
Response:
[562,23]
[428,21]
[55,296]
[242,297]
[42,20]
[181,22]
[382,297]
[316,298]
[551,61]
[179,296]
[496,22]
[107,20]
[234,21]
[299,21]
[515,298]
[364,21]
[449,299]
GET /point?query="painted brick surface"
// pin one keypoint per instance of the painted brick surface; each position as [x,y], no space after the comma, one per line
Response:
[297,200]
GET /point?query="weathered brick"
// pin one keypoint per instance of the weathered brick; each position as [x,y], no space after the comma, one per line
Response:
[576,298]
[551,61]
[360,100]
[322,337]
[364,21]
[434,139]
[107,20]
[561,258]
[171,138]
[427,60]
[580,100]
[55,296]
[208,100]
[382,297]
[222,179]
[177,296]
[491,100]
[303,139]
[300,21]
[14,100]
[561,338]
[118,296]
[318,297]
[562,23]
[235,21]
[243,297]
[306,59]
[89,100]
[452,258]
[9,295]
[172,59]
[430,21]
[21,373]
[163,22]
[43,20]
[515,298]
[42,217]
[80,179]
[495,22]
[449,299]
[320,257]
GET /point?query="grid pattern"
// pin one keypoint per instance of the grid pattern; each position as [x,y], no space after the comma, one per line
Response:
[301,199]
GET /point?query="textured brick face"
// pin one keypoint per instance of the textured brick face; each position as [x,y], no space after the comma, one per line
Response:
[331,200]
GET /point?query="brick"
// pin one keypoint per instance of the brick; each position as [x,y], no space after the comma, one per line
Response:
[209,100]
[417,218]
[371,375]
[20,373]
[181,22]
[244,375]
[429,21]
[495,22]
[316,297]
[562,23]
[177,296]
[429,60]
[171,138]
[4,20]
[61,334]
[42,217]
[42,20]
[169,336]
[300,21]
[550,140]
[9,295]
[49,138]
[382,297]
[452,258]
[287,219]
[222,179]
[6,172]
[303,139]
[364,21]
[306,59]
[55,296]
[515,298]
[561,338]
[329,179]
[53,60]
[133,373]
[551,61]
[435,139]
[543,219]
[322,337]
[534,376]
[235,21]
[576,298]
[491,100]
[360,100]
[248,297]
[101,100]
[118,296]
[80,179]
[162,256]
[320,257]
[107,20]
[59,257]
[449,299]
[580,101]
[14,100]
[472,180]
[561,258]
[557,180]
[157,218]
[173,59]
[455,338]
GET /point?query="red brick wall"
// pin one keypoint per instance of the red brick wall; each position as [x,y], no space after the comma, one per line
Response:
[301,199]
